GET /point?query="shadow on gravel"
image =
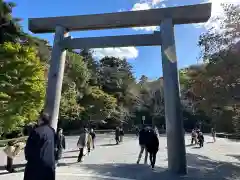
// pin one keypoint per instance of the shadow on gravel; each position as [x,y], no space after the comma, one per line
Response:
[108,145]
[199,168]
[69,157]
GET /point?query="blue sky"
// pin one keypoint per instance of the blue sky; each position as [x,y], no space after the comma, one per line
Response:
[145,60]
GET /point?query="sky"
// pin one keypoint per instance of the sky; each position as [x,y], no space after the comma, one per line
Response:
[145,60]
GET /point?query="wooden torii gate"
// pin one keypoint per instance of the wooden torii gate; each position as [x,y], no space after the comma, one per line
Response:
[166,18]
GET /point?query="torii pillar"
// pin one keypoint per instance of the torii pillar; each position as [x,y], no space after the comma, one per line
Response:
[173,112]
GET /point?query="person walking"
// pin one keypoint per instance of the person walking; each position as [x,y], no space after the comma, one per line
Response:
[93,135]
[60,145]
[194,137]
[82,144]
[121,134]
[213,134]
[12,150]
[117,135]
[200,139]
[137,131]
[40,152]
[89,142]
[142,143]
[152,145]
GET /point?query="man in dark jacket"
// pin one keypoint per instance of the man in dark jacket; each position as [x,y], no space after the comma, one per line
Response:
[39,152]
[117,135]
[200,139]
[152,145]
[142,143]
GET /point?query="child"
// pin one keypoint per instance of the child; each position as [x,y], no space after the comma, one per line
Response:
[200,139]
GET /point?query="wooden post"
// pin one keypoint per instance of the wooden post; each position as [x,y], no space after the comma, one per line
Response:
[55,77]
[173,112]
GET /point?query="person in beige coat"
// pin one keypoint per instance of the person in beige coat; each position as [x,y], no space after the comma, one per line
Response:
[84,144]
[12,150]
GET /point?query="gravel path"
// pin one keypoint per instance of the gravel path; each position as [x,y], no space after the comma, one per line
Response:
[215,161]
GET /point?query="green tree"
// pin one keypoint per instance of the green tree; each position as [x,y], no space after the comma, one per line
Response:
[9,27]
[75,83]
[224,37]
[98,104]
[22,85]
[92,65]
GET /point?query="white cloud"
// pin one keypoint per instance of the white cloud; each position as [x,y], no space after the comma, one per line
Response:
[217,11]
[122,52]
[145,5]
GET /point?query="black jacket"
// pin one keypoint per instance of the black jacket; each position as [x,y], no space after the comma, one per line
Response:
[152,142]
[39,153]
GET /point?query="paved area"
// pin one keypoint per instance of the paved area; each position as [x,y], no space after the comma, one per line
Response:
[215,161]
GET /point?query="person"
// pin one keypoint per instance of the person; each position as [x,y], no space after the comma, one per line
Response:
[142,142]
[40,151]
[82,144]
[213,134]
[12,149]
[194,137]
[89,142]
[93,135]
[60,144]
[152,145]
[200,139]
[156,131]
[117,135]
[137,131]
[121,134]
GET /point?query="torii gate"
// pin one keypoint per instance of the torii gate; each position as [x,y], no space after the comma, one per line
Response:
[166,18]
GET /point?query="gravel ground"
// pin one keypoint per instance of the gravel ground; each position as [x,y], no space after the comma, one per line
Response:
[215,161]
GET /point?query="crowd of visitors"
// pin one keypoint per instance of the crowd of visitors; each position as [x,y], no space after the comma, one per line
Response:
[44,147]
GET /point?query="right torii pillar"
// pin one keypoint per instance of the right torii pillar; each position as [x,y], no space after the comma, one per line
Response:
[173,112]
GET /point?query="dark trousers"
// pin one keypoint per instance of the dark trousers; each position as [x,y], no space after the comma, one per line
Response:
[200,143]
[9,166]
[152,157]
[80,154]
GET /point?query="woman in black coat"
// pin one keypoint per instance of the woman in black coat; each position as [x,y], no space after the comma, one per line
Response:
[60,144]
[152,145]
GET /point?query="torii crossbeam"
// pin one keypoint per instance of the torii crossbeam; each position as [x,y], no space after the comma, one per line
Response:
[166,18]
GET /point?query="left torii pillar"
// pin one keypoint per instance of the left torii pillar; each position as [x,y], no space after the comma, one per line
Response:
[55,76]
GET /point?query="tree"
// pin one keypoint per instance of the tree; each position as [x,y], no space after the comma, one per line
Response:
[215,40]
[22,85]
[69,108]
[76,77]
[92,65]
[9,27]
[98,104]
